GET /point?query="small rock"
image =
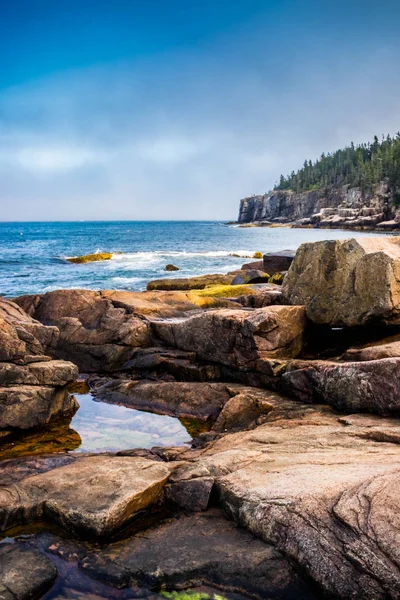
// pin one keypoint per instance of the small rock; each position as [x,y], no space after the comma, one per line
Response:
[171,267]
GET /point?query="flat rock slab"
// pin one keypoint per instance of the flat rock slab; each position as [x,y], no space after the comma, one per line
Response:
[195,550]
[94,496]
[24,572]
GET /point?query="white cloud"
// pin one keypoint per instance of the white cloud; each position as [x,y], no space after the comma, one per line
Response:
[170,150]
[43,159]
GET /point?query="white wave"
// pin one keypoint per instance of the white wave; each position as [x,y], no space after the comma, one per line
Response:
[159,254]
[128,280]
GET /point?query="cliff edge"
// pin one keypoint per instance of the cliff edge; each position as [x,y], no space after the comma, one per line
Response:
[337,207]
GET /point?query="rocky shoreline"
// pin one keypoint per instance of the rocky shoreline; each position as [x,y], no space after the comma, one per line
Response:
[331,208]
[290,486]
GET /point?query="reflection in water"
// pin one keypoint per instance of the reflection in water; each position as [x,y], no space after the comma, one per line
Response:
[58,437]
[109,427]
[100,427]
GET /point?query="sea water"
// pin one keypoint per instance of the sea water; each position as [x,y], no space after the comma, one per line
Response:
[33,255]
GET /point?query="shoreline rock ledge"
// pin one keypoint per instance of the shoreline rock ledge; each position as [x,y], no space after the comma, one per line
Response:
[318,485]
[32,385]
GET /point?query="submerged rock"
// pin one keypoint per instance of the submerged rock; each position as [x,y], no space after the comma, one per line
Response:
[347,282]
[195,550]
[25,573]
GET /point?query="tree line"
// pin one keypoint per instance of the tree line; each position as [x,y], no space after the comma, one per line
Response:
[357,166]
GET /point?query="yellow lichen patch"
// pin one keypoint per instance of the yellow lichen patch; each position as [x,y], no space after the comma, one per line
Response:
[86,258]
[223,291]
[257,255]
[276,278]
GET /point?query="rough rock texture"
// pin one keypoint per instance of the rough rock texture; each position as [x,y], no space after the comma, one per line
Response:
[371,386]
[237,338]
[93,496]
[274,262]
[384,349]
[95,333]
[21,337]
[195,550]
[178,399]
[32,386]
[252,276]
[322,488]
[160,363]
[190,283]
[24,572]
[347,282]
[338,207]
[87,258]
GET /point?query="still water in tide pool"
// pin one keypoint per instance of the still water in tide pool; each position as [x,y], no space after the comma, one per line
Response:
[101,427]
[109,427]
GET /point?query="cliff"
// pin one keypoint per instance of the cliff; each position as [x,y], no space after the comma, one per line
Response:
[336,207]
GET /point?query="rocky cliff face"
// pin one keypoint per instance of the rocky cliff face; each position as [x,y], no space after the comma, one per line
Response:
[337,207]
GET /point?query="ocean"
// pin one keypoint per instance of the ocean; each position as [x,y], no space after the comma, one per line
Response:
[33,255]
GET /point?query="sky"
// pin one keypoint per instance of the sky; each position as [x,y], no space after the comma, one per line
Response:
[176,109]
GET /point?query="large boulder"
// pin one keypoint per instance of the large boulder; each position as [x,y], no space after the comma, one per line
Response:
[32,386]
[347,282]
[237,338]
[95,332]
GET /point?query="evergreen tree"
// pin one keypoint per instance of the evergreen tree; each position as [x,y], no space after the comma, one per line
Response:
[357,166]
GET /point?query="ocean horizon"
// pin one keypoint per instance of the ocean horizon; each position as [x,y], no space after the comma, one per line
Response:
[33,254]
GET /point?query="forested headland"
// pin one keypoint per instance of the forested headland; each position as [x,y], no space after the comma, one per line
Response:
[361,165]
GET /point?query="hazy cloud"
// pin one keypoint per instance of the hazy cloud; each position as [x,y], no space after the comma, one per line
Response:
[186,134]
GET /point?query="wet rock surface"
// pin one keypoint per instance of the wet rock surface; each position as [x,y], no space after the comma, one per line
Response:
[195,550]
[24,572]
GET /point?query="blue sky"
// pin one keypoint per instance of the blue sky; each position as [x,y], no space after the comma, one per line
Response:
[159,109]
